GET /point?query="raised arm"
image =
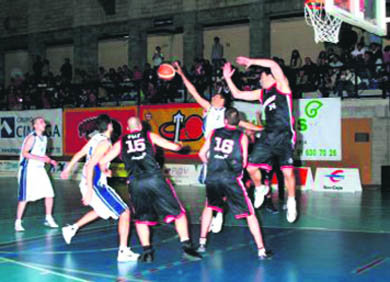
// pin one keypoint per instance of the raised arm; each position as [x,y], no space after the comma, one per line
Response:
[191,88]
[276,70]
[65,173]
[250,126]
[205,148]
[164,143]
[238,94]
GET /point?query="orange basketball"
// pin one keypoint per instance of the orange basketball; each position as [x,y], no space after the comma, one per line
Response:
[166,71]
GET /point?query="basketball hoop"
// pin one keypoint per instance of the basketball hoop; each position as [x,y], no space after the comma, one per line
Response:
[326,27]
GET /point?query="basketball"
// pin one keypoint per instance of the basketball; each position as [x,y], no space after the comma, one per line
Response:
[166,71]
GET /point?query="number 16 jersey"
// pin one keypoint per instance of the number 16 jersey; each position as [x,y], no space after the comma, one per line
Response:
[138,154]
[225,153]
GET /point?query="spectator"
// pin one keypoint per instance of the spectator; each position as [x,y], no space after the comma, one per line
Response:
[310,70]
[347,82]
[335,62]
[67,71]
[158,57]
[330,53]
[216,53]
[375,48]
[326,82]
[369,65]
[45,68]
[127,73]
[386,57]
[37,67]
[295,60]
[359,51]
[322,59]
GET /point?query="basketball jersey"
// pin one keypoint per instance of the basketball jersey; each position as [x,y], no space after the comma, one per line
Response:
[225,153]
[277,111]
[38,149]
[99,177]
[138,154]
[213,119]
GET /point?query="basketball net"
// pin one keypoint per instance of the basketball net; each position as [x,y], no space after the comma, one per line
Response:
[326,27]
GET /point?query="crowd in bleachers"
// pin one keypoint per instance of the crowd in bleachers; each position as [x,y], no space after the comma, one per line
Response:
[343,74]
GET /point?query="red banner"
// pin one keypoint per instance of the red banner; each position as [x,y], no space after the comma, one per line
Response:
[176,122]
[79,123]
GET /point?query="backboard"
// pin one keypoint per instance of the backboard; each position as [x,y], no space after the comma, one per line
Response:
[369,15]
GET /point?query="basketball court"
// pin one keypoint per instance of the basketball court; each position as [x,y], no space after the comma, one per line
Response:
[337,237]
[343,237]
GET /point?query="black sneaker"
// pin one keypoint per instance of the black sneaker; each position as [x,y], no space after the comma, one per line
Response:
[270,207]
[147,256]
[190,252]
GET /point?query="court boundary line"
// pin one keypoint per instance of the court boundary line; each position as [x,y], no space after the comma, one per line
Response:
[369,266]
[41,269]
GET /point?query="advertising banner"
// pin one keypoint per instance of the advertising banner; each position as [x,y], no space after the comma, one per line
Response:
[16,125]
[80,123]
[176,122]
[303,178]
[317,124]
[10,169]
[337,180]
[182,174]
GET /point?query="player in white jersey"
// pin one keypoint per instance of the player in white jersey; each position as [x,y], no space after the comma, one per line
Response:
[103,200]
[214,118]
[34,183]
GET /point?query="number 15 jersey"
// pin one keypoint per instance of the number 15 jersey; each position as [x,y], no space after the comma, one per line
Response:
[138,154]
[225,153]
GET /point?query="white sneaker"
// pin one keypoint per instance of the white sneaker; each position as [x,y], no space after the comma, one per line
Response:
[291,210]
[216,224]
[49,221]
[18,226]
[201,248]
[127,254]
[260,193]
[263,254]
[68,232]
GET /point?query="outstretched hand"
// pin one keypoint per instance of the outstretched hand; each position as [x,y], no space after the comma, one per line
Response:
[227,70]
[244,61]
[177,68]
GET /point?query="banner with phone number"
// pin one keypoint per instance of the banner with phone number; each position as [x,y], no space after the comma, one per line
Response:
[317,124]
[79,124]
[178,123]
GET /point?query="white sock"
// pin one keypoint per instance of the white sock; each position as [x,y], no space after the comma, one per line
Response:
[202,241]
[122,248]
[18,221]
[291,201]
[74,226]
[49,217]
[184,239]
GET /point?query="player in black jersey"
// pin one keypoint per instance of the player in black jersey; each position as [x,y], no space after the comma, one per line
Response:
[225,152]
[278,137]
[151,195]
